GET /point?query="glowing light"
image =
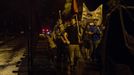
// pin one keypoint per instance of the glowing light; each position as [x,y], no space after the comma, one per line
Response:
[47,30]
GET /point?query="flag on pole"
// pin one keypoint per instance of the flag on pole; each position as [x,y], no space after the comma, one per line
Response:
[75,6]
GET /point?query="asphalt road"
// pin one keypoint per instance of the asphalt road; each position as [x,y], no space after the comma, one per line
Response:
[42,64]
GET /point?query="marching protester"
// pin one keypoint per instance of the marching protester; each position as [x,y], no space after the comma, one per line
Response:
[71,37]
[52,47]
[87,42]
[97,33]
[95,40]
[62,53]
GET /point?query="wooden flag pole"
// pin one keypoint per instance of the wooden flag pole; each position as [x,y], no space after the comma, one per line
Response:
[60,17]
[77,23]
[60,14]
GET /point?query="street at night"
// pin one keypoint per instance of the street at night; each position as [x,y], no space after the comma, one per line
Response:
[66,37]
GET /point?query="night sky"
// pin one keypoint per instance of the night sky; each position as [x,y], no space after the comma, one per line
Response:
[17,14]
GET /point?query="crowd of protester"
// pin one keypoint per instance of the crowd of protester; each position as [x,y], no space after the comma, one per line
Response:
[74,42]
